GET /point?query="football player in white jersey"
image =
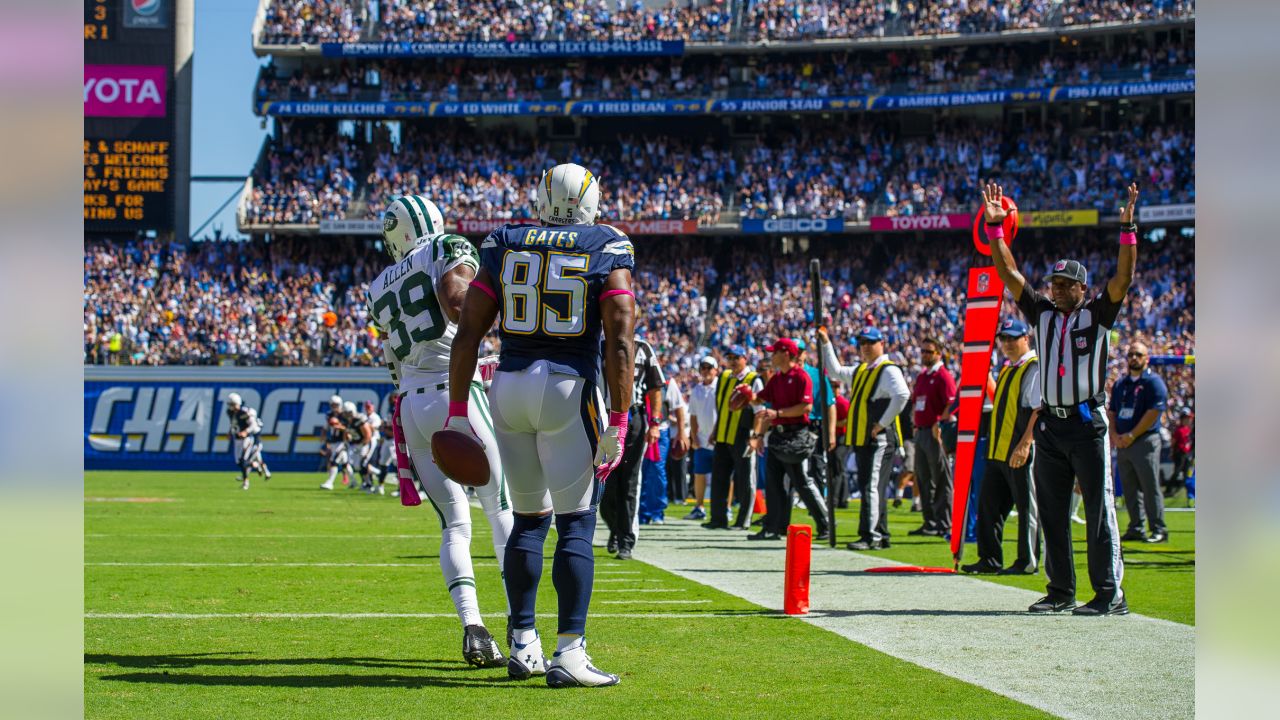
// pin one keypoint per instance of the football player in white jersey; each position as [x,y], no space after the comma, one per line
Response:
[245,444]
[415,304]
[334,448]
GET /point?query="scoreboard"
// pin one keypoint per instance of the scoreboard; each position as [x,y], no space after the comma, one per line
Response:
[128,115]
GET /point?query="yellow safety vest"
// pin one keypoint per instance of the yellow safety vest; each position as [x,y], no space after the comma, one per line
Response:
[1006,426]
[727,420]
[857,430]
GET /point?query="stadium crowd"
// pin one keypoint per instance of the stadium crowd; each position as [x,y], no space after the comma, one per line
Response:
[311,21]
[303,179]
[475,176]
[829,74]
[292,22]
[301,302]
[860,170]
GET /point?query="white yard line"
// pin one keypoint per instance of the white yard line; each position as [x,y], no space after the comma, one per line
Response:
[425,564]
[969,629]
[375,616]
[259,564]
[264,536]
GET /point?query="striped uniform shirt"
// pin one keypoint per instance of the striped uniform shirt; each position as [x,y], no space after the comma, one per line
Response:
[1073,346]
[648,373]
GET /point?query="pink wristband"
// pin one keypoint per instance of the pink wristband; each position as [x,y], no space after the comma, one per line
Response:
[1128,238]
[485,289]
[458,409]
[994,232]
[616,291]
[618,418]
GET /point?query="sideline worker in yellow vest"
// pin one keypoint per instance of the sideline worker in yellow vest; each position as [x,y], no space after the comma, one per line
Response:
[733,460]
[877,394]
[1006,481]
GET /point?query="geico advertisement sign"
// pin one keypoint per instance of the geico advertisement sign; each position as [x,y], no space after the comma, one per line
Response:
[124,90]
[191,418]
[920,222]
[793,225]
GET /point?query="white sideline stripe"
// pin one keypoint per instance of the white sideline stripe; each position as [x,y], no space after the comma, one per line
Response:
[1060,664]
[375,616]
[629,580]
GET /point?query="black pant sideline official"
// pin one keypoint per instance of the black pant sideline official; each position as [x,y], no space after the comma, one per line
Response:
[1071,433]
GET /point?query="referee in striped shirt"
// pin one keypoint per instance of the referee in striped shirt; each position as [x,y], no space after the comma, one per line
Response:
[620,504]
[1071,434]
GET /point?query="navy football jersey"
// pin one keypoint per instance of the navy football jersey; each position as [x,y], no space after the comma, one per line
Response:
[549,280]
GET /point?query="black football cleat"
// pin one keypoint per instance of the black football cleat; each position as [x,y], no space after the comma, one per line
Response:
[479,648]
[982,567]
[1094,608]
[1048,604]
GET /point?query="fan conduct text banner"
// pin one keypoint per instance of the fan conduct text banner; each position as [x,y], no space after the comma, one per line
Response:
[502,49]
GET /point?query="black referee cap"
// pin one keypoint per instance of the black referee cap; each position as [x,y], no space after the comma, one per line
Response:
[1071,270]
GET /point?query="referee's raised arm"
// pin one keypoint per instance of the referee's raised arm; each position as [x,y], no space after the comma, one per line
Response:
[994,215]
[1118,286]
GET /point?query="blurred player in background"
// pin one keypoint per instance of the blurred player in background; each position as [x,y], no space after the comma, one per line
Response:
[415,304]
[360,443]
[557,287]
[373,469]
[334,448]
[246,447]
[386,462]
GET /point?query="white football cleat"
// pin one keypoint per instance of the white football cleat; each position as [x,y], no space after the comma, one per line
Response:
[245,486]
[573,668]
[326,485]
[526,660]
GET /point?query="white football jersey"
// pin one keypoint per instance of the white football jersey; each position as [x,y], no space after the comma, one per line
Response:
[416,333]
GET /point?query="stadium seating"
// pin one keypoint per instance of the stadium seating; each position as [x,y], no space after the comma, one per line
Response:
[291,22]
[810,170]
[964,68]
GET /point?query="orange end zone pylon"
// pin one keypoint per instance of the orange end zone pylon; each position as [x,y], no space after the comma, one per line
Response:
[795,583]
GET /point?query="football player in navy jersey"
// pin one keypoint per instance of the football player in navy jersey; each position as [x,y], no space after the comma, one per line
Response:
[555,287]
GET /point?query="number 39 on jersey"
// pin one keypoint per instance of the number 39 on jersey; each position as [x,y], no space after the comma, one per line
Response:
[550,280]
[404,305]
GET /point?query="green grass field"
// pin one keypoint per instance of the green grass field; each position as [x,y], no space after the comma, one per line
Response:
[195,544]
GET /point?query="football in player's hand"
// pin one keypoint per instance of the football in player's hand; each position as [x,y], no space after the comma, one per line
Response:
[460,457]
[741,396]
[334,422]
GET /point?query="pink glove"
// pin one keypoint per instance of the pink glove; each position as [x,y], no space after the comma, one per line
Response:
[609,450]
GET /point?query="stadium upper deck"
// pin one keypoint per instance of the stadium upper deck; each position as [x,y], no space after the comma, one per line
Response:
[287,25]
